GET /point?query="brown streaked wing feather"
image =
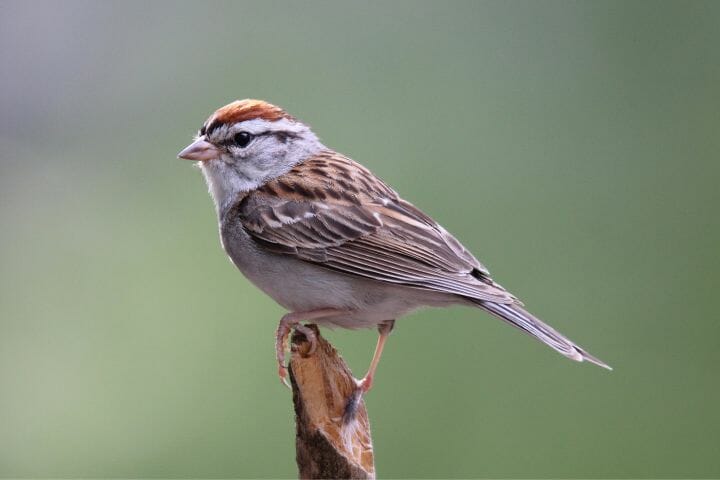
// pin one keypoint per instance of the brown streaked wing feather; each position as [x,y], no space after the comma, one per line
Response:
[332,211]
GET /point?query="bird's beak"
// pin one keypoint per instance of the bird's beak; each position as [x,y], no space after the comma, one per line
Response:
[200,150]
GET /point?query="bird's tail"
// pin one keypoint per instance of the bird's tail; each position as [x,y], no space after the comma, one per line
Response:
[520,318]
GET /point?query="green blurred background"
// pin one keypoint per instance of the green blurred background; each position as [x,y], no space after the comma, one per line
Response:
[573,146]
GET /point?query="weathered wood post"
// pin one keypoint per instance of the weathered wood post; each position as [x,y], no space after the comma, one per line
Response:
[327,446]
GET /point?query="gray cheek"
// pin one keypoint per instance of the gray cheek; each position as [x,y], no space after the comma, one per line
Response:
[265,160]
[269,150]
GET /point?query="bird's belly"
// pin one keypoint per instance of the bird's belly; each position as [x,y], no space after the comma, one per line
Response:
[301,286]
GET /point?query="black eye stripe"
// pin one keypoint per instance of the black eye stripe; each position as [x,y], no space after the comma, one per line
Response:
[283,136]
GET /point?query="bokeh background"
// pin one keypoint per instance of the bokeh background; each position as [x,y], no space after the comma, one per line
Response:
[573,146]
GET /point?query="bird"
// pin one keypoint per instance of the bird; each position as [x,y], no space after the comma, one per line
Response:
[331,242]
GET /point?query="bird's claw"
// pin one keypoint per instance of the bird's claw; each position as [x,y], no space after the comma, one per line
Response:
[283,373]
[364,384]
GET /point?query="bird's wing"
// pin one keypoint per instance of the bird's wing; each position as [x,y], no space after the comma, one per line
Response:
[333,212]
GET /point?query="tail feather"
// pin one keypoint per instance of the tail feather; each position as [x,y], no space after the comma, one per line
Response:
[520,318]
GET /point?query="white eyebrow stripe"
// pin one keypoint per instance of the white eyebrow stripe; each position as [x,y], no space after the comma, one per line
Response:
[258,125]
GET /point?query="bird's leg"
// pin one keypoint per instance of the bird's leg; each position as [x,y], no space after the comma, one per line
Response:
[364,385]
[292,320]
[384,330]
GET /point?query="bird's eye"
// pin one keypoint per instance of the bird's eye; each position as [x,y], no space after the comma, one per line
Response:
[242,139]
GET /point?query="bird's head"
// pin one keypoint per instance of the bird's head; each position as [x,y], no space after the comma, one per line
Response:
[247,143]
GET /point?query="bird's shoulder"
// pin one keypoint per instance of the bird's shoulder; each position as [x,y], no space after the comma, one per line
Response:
[328,177]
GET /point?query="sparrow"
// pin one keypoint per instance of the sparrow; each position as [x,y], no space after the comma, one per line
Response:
[331,242]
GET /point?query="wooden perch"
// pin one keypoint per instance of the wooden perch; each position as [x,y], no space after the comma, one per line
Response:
[329,442]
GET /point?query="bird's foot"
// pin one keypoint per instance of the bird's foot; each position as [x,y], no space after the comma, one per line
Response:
[365,384]
[292,321]
[281,336]
[310,336]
